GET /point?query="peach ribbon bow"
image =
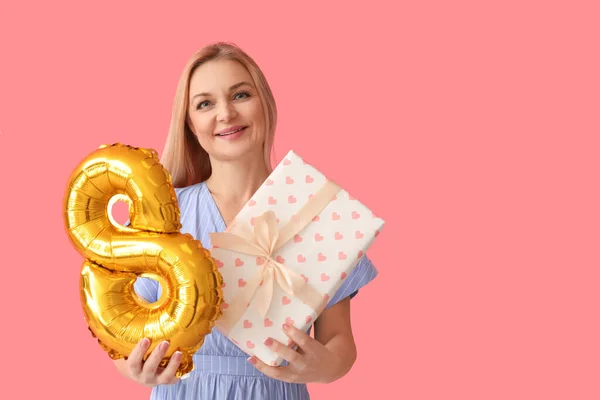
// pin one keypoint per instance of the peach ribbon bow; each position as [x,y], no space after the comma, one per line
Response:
[263,241]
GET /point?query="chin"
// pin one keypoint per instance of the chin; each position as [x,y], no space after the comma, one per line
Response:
[238,152]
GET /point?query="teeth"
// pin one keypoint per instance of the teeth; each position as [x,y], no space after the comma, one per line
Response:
[229,133]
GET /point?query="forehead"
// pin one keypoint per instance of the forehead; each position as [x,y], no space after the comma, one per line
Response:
[218,75]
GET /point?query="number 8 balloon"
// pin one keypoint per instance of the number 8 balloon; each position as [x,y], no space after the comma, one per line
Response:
[152,246]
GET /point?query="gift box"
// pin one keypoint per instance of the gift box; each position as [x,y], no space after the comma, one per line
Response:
[286,254]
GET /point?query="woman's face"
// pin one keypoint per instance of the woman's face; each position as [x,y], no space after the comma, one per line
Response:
[225,111]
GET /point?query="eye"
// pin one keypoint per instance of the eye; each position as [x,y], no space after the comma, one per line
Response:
[203,104]
[241,95]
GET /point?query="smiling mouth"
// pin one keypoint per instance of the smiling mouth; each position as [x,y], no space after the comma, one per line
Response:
[231,133]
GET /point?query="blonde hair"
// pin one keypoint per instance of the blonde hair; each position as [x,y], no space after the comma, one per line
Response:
[183,156]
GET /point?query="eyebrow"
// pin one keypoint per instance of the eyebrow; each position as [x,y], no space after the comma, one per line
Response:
[237,85]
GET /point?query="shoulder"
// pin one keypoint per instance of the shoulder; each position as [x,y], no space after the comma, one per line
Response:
[189,193]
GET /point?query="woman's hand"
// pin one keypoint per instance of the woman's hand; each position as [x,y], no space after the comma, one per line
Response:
[148,373]
[312,362]
[315,361]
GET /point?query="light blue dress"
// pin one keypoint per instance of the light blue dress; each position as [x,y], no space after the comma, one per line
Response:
[222,371]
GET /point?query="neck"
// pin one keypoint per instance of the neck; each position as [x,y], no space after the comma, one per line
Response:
[234,182]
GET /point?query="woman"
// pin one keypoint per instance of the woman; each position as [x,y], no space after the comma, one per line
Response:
[218,153]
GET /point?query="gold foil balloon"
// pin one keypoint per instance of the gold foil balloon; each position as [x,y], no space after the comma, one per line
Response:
[151,246]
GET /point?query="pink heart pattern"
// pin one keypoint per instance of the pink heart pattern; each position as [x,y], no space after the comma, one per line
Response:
[324,260]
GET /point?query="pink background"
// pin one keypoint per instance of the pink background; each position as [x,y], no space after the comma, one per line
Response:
[471,127]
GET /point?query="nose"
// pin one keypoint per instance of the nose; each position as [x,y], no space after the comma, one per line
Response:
[226,112]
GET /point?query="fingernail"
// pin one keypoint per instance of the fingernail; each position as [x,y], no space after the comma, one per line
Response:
[268,341]
[164,345]
[285,327]
[177,355]
[252,360]
[145,342]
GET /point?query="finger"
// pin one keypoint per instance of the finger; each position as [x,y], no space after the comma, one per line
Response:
[167,375]
[302,339]
[151,364]
[285,374]
[136,358]
[285,352]
[295,347]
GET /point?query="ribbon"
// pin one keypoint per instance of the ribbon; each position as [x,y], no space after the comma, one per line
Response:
[263,241]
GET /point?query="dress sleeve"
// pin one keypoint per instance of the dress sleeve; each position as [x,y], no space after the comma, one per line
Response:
[363,273]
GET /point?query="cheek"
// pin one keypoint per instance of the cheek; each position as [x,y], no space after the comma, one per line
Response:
[258,110]
[258,114]
[202,125]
